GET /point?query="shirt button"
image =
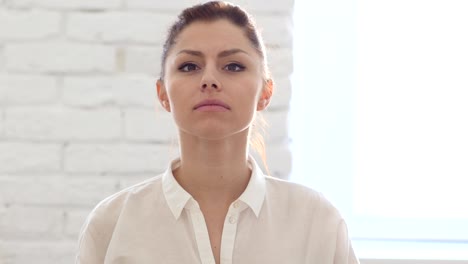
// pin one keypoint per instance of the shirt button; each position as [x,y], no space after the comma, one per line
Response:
[236,204]
[232,219]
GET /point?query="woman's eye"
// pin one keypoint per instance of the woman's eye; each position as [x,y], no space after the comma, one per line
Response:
[188,67]
[235,67]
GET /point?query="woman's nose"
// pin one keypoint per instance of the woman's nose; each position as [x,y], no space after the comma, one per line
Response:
[209,81]
[213,85]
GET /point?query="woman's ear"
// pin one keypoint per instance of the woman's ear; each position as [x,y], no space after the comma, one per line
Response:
[162,95]
[266,94]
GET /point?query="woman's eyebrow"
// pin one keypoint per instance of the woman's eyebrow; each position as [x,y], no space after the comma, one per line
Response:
[191,52]
[226,53]
[223,53]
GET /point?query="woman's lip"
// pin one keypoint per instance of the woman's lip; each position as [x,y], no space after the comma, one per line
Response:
[211,108]
[211,104]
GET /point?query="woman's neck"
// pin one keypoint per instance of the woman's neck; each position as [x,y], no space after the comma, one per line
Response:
[213,170]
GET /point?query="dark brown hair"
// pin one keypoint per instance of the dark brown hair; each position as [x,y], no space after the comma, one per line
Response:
[212,11]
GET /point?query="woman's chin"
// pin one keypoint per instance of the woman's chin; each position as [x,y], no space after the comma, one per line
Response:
[215,133]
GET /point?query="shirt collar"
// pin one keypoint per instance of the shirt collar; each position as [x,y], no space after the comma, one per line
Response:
[254,194]
[177,198]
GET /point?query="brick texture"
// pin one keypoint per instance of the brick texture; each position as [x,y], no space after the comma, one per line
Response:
[135,27]
[56,191]
[124,158]
[281,94]
[79,116]
[67,5]
[257,6]
[1,123]
[47,222]
[37,251]
[142,59]
[149,125]
[2,58]
[29,157]
[28,25]
[16,89]
[60,57]
[59,124]
[123,91]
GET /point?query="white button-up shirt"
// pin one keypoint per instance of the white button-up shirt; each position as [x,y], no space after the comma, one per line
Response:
[157,221]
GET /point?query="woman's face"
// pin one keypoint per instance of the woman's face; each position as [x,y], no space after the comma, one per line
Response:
[213,84]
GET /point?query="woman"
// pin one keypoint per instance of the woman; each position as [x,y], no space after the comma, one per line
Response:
[213,204]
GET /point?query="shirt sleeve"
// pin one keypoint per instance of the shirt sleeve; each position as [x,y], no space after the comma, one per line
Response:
[92,244]
[344,253]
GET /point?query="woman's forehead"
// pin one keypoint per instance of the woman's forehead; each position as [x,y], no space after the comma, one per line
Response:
[213,36]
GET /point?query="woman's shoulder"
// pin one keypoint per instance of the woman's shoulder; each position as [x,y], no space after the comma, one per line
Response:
[291,188]
[298,196]
[99,227]
[108,210]
[136,191]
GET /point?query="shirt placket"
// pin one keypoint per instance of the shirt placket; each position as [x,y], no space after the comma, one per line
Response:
[228,237]
[201,233]
[229,232]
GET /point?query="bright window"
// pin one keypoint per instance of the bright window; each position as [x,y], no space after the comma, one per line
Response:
[379,120]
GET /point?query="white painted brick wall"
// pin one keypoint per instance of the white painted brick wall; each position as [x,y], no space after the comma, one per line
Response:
[79,118]
[149,125]
[60,57]
[28,25]
[67,5]
[62,124]
[173,6]
[258,6]
[56,190]
[2,57]
[280,61]
[29,157]
[141,59]
[124,158]
[279,35]
[47,223]
[1,122]
[37,251]
[122,90]
[282,94]
[15,89]
[134,27]
[276,126]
